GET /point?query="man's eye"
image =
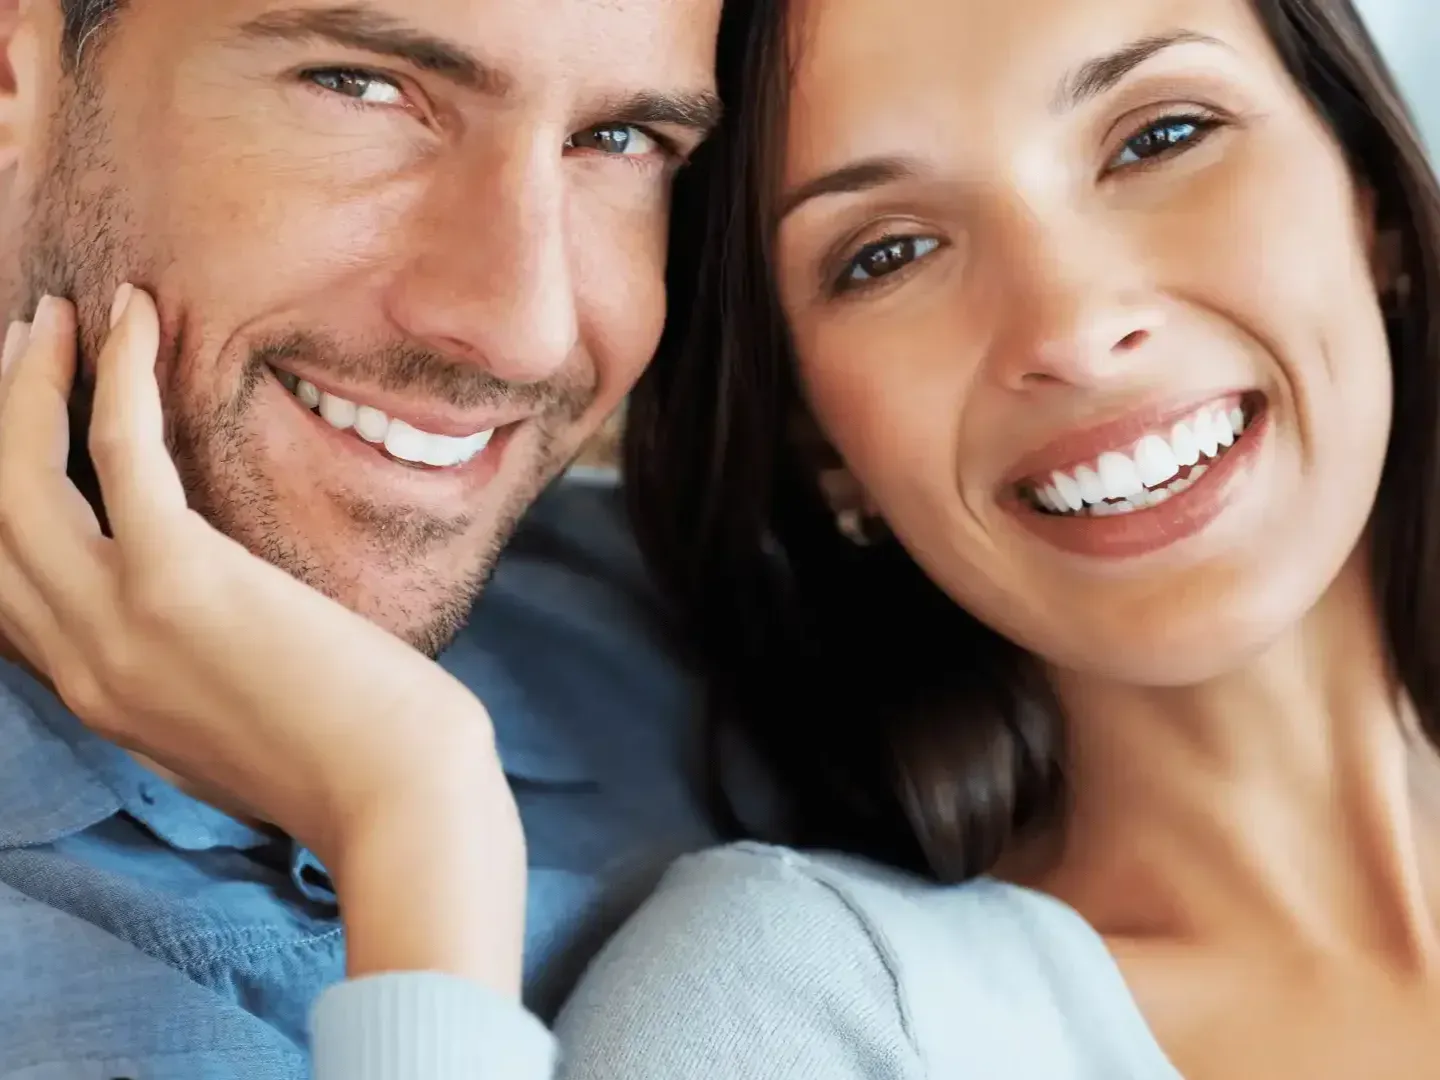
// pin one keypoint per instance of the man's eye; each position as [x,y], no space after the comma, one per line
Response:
[1168,135]
[362,87]
[883,258]
[625,140]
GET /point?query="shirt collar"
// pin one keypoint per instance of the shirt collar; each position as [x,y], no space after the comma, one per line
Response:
[57,778]
[45,792]
[49,753]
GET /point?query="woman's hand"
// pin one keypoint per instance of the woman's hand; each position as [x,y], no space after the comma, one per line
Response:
[175,642]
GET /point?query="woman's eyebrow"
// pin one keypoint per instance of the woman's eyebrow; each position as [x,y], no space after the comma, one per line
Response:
[857,176]
[1101,73]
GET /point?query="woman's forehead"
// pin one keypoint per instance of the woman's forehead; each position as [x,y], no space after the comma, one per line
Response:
[869,69]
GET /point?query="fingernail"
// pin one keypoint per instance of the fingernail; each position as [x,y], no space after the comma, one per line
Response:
[122,302]
[45,313]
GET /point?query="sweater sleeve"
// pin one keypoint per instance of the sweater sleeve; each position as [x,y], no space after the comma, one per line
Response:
[421,1026]
[745,964]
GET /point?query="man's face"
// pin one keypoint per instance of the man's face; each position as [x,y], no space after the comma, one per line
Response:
[408,254]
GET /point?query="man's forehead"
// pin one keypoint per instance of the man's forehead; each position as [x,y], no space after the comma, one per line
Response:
[519,47]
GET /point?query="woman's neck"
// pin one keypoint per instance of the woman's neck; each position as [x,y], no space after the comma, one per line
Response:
[1286,802]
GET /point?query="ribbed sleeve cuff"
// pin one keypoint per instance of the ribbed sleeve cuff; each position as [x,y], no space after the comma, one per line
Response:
[423,1026]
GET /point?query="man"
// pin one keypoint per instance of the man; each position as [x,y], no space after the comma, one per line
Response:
[408,255]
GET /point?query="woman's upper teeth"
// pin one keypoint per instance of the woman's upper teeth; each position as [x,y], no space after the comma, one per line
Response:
[1156,459]
[399,438]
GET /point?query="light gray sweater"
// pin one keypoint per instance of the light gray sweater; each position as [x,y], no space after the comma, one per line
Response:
[761,963]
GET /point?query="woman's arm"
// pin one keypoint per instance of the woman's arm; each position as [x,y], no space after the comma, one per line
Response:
[743,965]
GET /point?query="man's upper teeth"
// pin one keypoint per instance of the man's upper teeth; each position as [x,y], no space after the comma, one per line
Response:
[1157,458]
[399,438]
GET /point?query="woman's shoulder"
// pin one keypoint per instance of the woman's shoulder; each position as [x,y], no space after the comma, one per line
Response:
[837,892]
[772,956]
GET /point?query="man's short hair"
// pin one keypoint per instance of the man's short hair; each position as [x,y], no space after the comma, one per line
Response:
[82,19]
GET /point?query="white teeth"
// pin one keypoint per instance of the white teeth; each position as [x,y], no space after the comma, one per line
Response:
[1119,476]
[1090,487]
[405,442]
[1148,476]
[1206,435]
[371,424]
[400,439]
[338,412]
[1182,441]
[1069,491]
[1155,461]
[1224,433]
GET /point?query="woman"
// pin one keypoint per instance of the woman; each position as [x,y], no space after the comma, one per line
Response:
[1120,318]
[1123,322]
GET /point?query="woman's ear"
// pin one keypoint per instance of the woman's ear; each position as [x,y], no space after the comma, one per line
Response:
[1386,248]
[856,515]
[1387,260]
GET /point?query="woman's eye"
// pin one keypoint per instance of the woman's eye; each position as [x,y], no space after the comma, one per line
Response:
[885,257]
[621,140]
[1167,135]
[362,87]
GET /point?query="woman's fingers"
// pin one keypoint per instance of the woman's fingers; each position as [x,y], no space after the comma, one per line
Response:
[144,497]
[46,526]
[48,565]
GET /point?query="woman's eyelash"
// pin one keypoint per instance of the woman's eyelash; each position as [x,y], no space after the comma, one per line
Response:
[882,259]
[1160,139]
[1172,134]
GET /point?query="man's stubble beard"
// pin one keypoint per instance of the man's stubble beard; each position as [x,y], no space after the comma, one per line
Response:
[78,241]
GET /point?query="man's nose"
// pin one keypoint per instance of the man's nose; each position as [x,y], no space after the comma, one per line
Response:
[488,275]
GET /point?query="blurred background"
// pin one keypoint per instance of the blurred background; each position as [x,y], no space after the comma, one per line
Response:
[1407,31]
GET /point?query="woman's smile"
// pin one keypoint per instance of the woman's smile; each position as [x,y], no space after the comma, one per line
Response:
[1141,492]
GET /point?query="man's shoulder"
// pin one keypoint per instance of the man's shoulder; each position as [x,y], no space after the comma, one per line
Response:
[569,646]
[78,1002]
[576,536]
[46,792]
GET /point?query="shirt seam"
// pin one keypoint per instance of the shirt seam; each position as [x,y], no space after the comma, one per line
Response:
[879,941]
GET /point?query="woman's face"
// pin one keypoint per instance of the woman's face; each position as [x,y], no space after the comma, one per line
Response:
[1082,292]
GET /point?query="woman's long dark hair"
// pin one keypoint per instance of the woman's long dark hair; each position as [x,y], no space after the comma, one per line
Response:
[897,725]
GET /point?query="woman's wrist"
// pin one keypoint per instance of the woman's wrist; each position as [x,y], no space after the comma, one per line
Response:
[434,880]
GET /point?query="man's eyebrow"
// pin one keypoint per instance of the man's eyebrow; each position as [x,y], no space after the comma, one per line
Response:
[699,110]
[1101,73]
[358,26]
[860,176]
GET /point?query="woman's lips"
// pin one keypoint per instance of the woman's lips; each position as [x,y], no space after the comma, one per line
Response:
[1184,499]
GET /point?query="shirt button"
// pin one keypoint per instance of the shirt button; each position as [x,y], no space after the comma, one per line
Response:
[147,794]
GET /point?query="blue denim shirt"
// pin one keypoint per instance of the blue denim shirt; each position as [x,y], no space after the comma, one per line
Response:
[147,936]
